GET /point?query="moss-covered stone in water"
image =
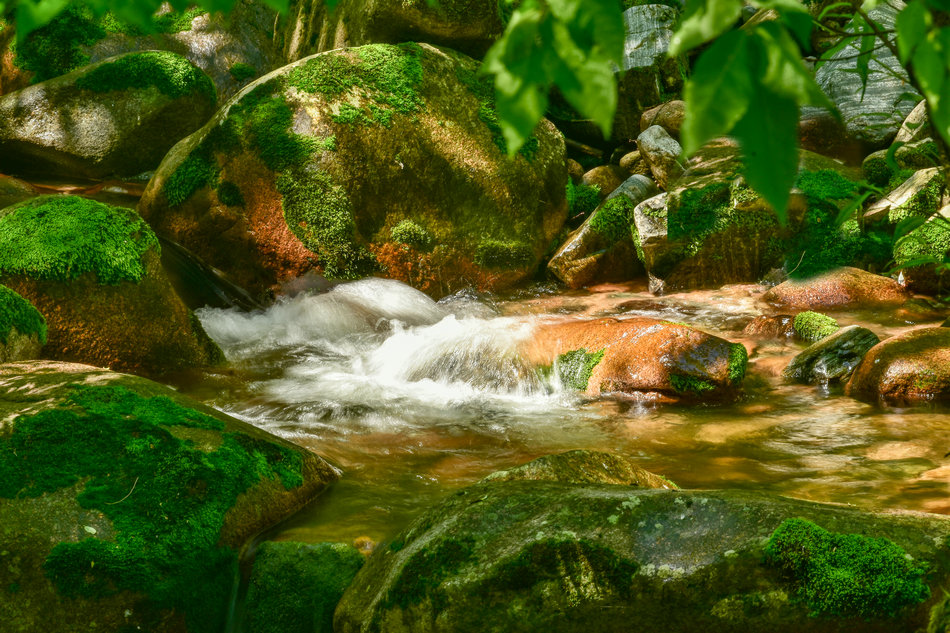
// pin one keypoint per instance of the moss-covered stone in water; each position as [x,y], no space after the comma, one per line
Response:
[409,233]
[690,385]
[738,360]
[484,90]
[56,49]
[17,312]
[173,75]
[242,72]
[295,587]
[63,237]
[503,254]
[320,215]
[425,571]
[167,498]
[814,326]
[581,199]
[575,367]
[846,574]
[613,219]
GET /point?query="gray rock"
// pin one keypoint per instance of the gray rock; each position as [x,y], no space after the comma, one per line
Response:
[662,153]
[873,114]
[647,76]
[833,358]
[602,248]
[74,125]
[536,556]
[916,126]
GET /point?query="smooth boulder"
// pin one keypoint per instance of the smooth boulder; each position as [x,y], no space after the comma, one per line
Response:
[124,505]
[94,271]
[299,170]
[840,289]
[115,118]
[539,556]
[584,467]
[639,357]
[911,368]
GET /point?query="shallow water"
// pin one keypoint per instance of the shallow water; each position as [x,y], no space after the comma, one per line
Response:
[413,399]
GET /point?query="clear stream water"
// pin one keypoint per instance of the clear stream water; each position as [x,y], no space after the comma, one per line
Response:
[413,399]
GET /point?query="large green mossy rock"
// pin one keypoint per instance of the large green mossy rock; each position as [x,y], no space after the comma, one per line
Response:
[115,118]
[295,587]
[383,159]
[94,271]
[527,556]
[123,505]
[22,328]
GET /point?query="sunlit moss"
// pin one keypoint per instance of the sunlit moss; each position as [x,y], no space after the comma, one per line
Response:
[63,237]
[574,368]
[614,219]
[846,574]
[814,326]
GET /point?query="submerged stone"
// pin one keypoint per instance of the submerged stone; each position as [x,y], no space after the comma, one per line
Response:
[123,505]
[833,357]
[542,556]
[584,467]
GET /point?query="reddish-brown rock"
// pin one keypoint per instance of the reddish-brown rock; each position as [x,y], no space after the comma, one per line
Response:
[644,357]
[607,177]
[779,326]
[668,116]
[842,288]
[904,369]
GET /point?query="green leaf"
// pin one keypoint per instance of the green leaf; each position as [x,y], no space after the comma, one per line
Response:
[863,62]
[718,92]
[705,20]
[785,73]
[849,210]
[768,133]
[912,27]
[907,225]
[32,15]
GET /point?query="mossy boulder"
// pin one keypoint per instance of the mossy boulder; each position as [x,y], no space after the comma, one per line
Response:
[230,48]
[22,328]
[469,26]
[922,253]
[115,118]
[295,587]
[603,248]
[584,467]
[94,272]
[639,357]
[333,152]
[840,289]
[541,556]
[124,505]
[910,368]
[833,357]
[710,229]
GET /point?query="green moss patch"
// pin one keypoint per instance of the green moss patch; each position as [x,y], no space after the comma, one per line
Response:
[17,312]
[483,89]
[242,72]
[173,75]
[846,574]
[575,367]
[738,361]
[922,204]
[166,497]
[581,199]
[56,49]
[63,237]
[320,214]
[614,219]
[385,76]
[814,326]
[507,254]
[295,587]
[409,233]
[690,385]
[928,243]
[424,572]
[230,194]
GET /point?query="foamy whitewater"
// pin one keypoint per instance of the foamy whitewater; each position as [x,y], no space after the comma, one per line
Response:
[379,353]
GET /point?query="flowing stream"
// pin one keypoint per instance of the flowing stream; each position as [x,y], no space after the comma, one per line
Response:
[413,399]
